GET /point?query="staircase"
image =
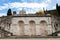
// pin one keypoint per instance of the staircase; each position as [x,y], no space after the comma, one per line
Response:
[3,32]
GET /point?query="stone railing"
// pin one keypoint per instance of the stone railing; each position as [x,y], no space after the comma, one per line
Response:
[4,33]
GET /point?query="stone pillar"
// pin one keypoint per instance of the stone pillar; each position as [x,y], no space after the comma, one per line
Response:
[37,29]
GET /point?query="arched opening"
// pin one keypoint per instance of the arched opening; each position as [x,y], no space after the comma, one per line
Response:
[32,28]
[21,25]
[43,25]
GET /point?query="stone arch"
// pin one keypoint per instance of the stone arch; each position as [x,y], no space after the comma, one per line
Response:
[21,27]
[43,25]
[32,27]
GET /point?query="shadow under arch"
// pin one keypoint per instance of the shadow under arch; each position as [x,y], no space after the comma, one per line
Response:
[43,23]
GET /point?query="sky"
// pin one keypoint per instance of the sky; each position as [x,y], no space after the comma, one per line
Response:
[30,6]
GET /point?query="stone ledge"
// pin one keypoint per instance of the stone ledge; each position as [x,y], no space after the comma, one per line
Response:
[34,39]
[13,37]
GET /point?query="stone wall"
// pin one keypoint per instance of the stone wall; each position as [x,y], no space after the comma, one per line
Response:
[15,28]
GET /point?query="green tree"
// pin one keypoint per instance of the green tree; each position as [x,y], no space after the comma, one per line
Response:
[9,12]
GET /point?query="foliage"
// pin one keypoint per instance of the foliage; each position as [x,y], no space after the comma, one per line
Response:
[53,12]
[9,12]
[40,12]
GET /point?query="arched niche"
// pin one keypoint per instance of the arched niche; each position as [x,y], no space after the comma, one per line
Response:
[43,26]
[43,23]
[32,27]
[21,27]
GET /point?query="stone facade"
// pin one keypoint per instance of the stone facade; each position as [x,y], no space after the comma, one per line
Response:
[29,24]
[32,25]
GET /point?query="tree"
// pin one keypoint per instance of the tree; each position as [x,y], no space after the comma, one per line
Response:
[58,9]
[40,12]
[9,13]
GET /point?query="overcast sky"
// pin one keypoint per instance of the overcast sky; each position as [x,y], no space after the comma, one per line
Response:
[30,6]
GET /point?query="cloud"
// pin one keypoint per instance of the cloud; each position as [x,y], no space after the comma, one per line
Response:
[54,7]
[19,6]
[48,0]
[36,1]
[4,6]
[2,14]
[31,6]
[28,5]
